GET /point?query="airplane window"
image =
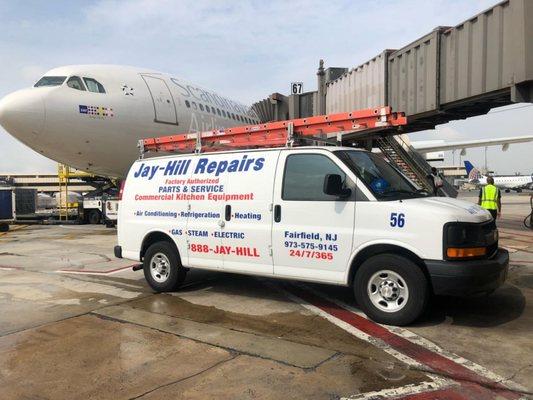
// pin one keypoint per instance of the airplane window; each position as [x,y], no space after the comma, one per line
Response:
[218,112]
[75,82]
[194,105]
[93,85]
[187,104]
[50,81]
[201,106]
[224,113]
[213,110]
[207,109]
[233,116]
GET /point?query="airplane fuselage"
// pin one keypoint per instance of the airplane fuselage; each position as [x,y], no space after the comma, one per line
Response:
[96,128]
[507,182]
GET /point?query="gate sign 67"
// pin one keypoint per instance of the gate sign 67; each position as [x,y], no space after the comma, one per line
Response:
[297,87]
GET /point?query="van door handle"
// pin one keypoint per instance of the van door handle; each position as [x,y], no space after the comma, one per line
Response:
[227,215]
[277,213]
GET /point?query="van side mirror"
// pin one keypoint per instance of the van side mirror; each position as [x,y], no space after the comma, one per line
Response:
[333,186]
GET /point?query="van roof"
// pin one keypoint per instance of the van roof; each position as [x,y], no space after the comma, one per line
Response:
[301,148]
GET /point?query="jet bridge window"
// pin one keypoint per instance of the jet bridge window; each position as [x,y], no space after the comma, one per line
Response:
[50,81]
[93,85]
[75,82]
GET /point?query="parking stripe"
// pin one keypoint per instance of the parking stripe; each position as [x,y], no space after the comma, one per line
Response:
[472,383]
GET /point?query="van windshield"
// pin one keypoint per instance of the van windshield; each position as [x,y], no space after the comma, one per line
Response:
[385,181]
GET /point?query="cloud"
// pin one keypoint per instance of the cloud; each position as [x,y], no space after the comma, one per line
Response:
[242,49]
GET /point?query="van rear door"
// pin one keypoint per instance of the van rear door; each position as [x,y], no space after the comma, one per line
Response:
[312,232]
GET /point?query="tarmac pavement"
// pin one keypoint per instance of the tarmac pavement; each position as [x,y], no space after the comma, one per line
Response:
[77,323]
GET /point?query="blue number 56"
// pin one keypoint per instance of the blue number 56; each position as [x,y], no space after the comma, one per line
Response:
[397,219]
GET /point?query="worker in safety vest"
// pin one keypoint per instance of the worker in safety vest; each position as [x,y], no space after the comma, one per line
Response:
[490,198]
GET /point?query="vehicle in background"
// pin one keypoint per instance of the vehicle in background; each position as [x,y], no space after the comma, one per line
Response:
[45,201]
[333,215]
[98,207]
[7,208]
[110,211]
[506,182]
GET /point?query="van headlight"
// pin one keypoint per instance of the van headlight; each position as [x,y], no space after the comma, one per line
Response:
[464,240]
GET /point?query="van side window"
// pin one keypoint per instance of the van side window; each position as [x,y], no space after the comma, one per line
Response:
[304,177]
[75,82]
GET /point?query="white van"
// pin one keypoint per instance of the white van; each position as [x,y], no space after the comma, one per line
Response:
[320,214]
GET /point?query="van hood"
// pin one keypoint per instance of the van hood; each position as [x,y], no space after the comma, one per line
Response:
[452,209]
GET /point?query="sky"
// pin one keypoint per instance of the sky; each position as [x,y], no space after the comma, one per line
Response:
[244,50]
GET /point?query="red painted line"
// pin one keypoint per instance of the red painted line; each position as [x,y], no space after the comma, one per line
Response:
[434,361]
[515,233]
[518,240]
[89,271]
[7,267]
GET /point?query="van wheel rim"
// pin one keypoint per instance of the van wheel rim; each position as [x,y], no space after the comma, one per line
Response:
[388,291]
[160,267]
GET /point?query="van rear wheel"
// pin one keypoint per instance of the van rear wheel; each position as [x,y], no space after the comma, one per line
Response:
[391,289]
[162,267]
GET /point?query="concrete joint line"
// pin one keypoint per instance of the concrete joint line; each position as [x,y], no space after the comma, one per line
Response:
[215,365]
[279,350]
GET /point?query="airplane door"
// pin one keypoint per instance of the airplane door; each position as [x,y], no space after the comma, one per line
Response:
[164,107]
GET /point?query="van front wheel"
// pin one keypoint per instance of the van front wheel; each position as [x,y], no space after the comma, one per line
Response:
[391,289]
[162,267]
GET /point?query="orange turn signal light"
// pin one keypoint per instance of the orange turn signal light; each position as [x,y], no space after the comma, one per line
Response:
[456,252]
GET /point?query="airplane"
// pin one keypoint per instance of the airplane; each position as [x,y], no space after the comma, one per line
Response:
[507,182]
[433,150]
[91,116]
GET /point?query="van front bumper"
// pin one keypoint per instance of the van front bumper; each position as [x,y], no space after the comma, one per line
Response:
[464,278]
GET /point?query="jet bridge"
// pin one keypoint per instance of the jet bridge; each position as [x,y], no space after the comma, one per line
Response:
[451,73]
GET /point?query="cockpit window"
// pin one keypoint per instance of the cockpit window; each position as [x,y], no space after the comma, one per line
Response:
[50,81]
[93,85]
[75,82]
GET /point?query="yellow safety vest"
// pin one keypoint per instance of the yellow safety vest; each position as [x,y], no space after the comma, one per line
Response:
[489,197]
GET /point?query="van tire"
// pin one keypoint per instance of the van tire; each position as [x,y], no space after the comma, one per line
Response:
[162,267]
[398,278]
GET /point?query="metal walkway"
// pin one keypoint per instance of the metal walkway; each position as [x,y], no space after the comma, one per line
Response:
[411,163]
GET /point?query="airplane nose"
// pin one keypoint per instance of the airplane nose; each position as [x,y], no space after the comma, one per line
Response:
[22,114]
